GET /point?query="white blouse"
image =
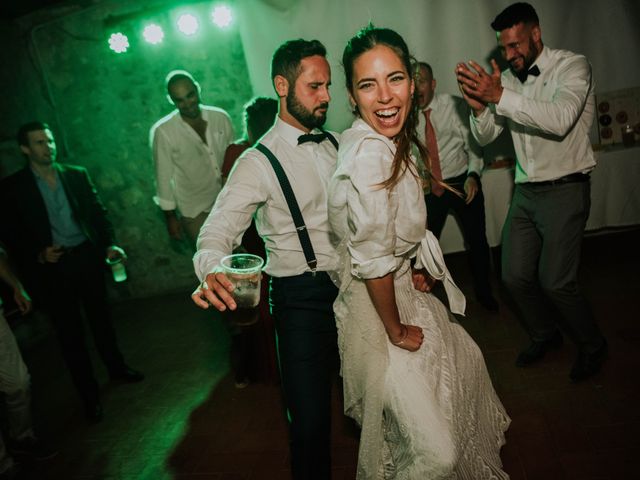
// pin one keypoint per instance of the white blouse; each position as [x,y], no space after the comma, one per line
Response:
[381,227]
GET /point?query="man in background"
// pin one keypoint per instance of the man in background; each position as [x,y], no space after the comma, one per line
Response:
[57,232]
[546,99]
[455,158]
[188,147]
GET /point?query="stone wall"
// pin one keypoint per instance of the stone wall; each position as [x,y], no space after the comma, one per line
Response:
[101,106]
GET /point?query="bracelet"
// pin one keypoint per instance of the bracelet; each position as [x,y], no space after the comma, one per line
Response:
[404,337]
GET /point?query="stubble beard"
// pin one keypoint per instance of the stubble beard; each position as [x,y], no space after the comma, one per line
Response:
[307,118]
[528,60]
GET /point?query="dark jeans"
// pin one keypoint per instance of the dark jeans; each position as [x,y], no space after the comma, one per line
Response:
[74,284]
[308,353]
[541,244]
[472,219]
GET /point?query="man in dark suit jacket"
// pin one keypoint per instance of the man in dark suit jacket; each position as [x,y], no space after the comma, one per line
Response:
[56,229]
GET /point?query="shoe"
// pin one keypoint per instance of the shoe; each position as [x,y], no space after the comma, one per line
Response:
[93,412]
[31,448]
[128,375]
[537,350]
[240,384]
[489,303]
[588,364]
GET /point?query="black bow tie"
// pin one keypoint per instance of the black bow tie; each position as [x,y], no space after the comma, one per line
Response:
[312,137]
[534,71]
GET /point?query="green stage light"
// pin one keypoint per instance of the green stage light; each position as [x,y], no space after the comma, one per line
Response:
[118,42]
[188,24]
[221,16]
[153,33]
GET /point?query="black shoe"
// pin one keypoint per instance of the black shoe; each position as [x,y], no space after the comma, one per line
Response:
[93,412]
[537,350]
[588,364]
[128,375]
[489,303]
[31,448]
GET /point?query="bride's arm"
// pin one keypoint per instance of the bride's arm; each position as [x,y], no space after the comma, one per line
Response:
[383,297]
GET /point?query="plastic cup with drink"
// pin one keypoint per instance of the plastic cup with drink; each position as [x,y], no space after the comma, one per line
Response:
[244,271]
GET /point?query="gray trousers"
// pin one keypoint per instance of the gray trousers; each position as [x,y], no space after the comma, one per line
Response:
[14,383]
[541,243]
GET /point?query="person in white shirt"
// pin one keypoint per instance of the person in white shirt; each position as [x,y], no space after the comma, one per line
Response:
[459,164]
[546,99]
[302,293]
[414,380]
[188,147]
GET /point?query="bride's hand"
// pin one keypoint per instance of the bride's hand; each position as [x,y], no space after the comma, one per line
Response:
[410,338]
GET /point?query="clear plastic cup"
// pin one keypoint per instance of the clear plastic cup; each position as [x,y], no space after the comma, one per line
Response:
[244,271]
[117,269]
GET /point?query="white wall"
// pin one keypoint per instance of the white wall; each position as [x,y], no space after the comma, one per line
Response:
[441,32]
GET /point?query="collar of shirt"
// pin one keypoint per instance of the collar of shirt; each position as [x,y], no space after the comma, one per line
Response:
[542,62]
[362,125]
[39,178]
[433,104]
[290,134]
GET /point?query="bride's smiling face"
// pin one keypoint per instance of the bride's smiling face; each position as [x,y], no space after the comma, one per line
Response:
[382,90]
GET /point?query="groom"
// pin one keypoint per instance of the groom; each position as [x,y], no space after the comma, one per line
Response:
[302,293]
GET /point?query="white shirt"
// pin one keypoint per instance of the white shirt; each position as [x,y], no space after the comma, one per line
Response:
[188,169]
[549,117]
[458,151]
[381,226]
[253,190]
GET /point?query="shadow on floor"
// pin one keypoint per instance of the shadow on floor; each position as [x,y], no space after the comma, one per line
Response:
[188,421]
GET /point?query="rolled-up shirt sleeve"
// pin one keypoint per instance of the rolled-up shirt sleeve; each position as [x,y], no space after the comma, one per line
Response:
[231,215]
[486,127]
[372,212]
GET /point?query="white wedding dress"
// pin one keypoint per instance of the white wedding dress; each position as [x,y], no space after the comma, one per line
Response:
[430,414]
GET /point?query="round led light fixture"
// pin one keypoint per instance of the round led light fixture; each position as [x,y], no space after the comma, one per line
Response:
[118,42]
[188,24]
[221,16]
[153,33]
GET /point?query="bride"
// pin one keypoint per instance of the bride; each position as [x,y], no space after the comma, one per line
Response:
[413,378]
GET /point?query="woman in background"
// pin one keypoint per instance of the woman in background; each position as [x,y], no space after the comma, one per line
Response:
[253,347]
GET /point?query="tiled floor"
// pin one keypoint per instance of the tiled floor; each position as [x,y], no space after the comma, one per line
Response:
[187,421]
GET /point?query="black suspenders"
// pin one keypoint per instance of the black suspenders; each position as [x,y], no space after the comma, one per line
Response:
[290,197]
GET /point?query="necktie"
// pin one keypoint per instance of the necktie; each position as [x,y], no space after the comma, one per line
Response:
[312,137]
[432,148]
[533,71]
